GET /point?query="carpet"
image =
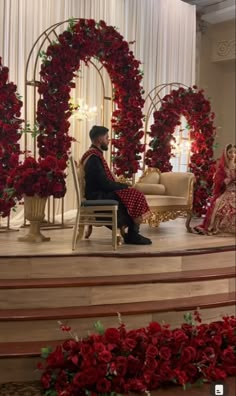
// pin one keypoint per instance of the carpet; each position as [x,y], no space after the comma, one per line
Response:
[21,389]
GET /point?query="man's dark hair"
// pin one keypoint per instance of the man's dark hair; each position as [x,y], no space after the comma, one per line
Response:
[97,131]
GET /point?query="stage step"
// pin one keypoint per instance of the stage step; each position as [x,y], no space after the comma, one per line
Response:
[170,277]
[41,324]
[114,264]
[48,293]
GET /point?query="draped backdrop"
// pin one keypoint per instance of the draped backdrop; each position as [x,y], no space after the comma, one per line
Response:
[164,32]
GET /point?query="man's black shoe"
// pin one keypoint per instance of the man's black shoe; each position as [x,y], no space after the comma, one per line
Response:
[136,239]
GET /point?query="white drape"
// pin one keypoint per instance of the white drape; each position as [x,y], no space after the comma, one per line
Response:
[164,32]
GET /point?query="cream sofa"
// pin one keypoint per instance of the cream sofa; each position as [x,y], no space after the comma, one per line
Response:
[169,195]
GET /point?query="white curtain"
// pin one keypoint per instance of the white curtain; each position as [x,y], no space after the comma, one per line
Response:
[164,32]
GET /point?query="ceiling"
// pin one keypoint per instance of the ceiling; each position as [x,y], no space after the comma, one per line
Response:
[214,11]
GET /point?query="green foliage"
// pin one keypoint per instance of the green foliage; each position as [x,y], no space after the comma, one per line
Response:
[51,392]
[188,318]
[99,327]
[34,132]
[71,24]
[45,352]
[43,56]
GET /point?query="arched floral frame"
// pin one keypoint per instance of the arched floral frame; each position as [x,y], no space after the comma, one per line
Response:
[192,104]
[10,134]
[81,41]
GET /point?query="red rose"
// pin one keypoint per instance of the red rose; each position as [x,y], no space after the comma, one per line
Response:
[228,355]
[56,358]
[154,327]
[90,376]
[165,353]
[188,354]
[151,363]
[46,380]
[191,371]
[102,370]
[151,351]
[112,335]
[121,365]
[129,344]
[105,356]
[99,347]
[103,385]
[179,336]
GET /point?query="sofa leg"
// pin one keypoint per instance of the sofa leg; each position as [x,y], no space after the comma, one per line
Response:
[188,220]
[88,231]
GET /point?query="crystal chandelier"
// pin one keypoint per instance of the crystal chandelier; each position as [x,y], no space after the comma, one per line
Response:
[81,111]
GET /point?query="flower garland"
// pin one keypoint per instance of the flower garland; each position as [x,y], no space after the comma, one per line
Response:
[192,104]
[10,126]
[118,361]
[83,40]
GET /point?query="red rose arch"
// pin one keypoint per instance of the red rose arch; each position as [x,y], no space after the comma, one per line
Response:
[192,104]
[10,133]
[81,41]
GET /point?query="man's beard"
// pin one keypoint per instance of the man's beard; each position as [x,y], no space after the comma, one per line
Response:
[104,147]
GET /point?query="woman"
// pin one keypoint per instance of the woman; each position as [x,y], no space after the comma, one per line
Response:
[221,215]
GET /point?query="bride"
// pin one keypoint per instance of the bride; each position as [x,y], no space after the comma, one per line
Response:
[221,215]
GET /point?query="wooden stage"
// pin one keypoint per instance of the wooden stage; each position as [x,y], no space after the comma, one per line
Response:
[170,237]
[41,284]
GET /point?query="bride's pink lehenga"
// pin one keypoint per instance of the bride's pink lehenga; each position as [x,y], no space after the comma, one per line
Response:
[221,215]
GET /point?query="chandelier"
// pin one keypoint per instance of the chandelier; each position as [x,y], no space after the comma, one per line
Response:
[81,111]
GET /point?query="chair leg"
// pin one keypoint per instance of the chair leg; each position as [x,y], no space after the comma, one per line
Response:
[89,231]
[75,231]
[188,220]
[80,232]
[114,230]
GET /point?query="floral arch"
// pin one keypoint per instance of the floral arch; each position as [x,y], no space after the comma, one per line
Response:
[10,128]
[192,104]
[83,40]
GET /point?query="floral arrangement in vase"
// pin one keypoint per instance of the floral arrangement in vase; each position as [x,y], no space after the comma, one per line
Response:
[43,178]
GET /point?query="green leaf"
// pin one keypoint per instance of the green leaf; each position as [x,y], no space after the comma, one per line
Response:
[9,191]
[187,386]
[188,318]
[72,23]
[45,352]
[51,392]
[99,327]
[199,382]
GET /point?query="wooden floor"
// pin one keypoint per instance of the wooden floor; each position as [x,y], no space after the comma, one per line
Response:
[34,389]
[169,237]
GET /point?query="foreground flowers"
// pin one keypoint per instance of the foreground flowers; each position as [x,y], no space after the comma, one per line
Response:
[118,360]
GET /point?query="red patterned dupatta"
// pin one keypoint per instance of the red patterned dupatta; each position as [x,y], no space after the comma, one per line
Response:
[219,187]
[134,200]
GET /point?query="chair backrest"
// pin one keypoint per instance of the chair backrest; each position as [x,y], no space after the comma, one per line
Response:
[76,181]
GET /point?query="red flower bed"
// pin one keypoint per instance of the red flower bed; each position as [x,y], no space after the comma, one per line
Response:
[120,361]
[192,104]
[10,127]
[82,41]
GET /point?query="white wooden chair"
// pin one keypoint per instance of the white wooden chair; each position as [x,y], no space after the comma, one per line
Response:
[92,212]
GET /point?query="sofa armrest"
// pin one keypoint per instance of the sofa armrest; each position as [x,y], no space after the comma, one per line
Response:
[178,184]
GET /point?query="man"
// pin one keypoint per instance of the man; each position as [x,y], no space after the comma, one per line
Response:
[100,184]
